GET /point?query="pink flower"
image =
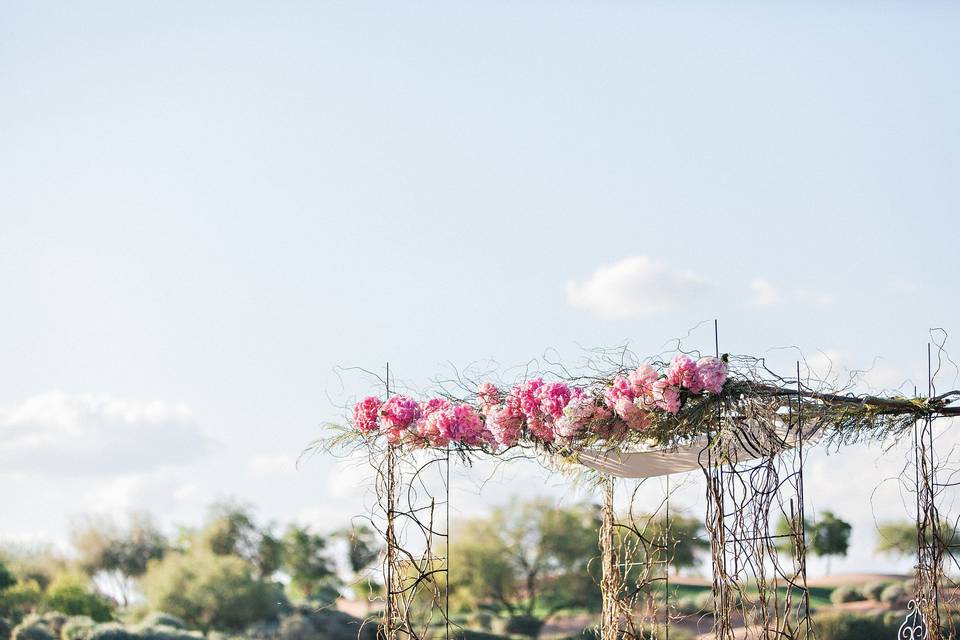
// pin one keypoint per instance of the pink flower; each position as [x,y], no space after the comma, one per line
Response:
[620,388]
[528,396]
[633,413]
[505,424]
[666,396]
[683,372]
[713,372]
[488,397]
[540,428]
[431,426]
[462,423]
[642,379]
[397,415]
[365,414]
[554,397]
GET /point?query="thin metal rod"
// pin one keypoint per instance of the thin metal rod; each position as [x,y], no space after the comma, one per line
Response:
[803,515]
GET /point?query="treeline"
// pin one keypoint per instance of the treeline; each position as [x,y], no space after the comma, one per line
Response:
[227,574]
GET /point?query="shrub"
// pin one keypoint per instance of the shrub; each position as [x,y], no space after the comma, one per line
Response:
[21,598]
[482,620]
[892,594]
[32,628]
[845,594]
[845,626]
[873,590]
[704,601]
[687,606]
[111,631]
[208,591]
[161,632]
[70,594]
[161,619]
[77,628]
[524,626]
[469,634]
[5,629]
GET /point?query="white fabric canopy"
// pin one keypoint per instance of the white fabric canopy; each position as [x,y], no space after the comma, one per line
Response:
[756,443]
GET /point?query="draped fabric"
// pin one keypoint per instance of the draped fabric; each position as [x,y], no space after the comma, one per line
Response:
[750,442]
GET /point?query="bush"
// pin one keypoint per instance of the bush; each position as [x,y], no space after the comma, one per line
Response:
[482,620]
[77,628]
[18,600]
[892,594]
[161,632]
[873,590]
[32,628]
[524,626]
[161,619]
[687,606]
[468,634]
[704,601]
[70,594]
[111,631]
[5,629]
[208,591]
[845,594]
[845,626]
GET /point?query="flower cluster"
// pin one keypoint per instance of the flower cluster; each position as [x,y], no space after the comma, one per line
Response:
[542,411]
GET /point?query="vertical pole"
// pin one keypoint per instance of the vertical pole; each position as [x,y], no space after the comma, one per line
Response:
[389,629]
[610,579]
[446,606]
[668,542]
[802,548]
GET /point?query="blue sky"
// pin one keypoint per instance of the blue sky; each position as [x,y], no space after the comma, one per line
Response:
[206,208]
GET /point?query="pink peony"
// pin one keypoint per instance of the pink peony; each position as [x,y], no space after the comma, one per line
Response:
[505,424]
[554,397]
[713,372]
[620,388]
[642,379]
[466,425]
[488,396]
[431,426]
[683,372]
[365,414]
[666,396]
[528,396]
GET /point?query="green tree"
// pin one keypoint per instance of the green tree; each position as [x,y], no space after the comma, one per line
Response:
[899,538]
[363,549]
[70,594]
[529,559]
[305,560]
[831,537]
[7,579]
[681,535]
[232,530]
[209,590]
[120,556]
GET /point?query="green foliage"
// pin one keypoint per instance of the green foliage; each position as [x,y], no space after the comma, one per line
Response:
[846,626]
[528,558]
[899,538]
[681,535]
[892,594]
[306,562]
[704,601]
[33,628]
[363,547]
[20,599]
[162,632]
[7,579]
[77,628]
[232,530]
[846,594]
[873,590]
[70,594]
[5,629]
[209,591]
[524,625]
[831,537]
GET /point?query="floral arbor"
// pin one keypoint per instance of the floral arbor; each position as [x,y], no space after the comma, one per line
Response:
[743,426]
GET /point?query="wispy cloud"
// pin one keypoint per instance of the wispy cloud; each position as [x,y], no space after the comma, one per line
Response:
[89,435]
[634,286]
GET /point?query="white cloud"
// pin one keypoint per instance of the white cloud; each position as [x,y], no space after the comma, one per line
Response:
[263,465]
[86,434]
[634,286]
[766,295]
